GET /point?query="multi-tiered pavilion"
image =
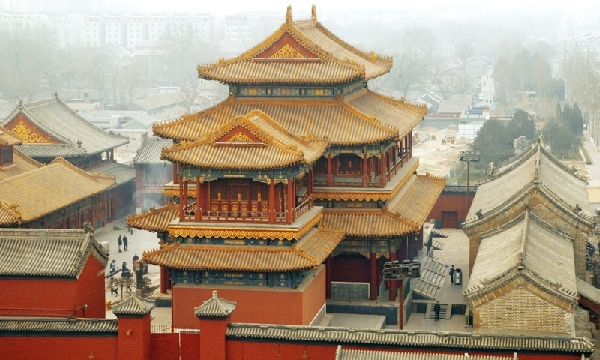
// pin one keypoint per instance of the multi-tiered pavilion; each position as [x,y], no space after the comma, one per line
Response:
[301,178]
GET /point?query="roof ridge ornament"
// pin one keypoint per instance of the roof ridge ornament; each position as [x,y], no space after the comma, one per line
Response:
[288,14]
[313,12]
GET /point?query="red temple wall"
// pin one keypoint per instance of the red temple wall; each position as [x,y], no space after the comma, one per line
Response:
[90,289]
[268,306]
[451,203]
[51,348]
[45,297]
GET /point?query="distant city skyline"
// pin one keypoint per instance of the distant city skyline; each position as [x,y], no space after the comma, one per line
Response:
[232,6]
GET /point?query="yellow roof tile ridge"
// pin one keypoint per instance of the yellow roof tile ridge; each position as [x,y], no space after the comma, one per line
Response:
[405,220]
[386,60]
[249,55]
[12,209]
[93,176]
[169,206]
[402,102]
[255,129]
[370,119]
[189,118]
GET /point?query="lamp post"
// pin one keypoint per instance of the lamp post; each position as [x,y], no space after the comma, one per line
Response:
[468,156]
[396,271]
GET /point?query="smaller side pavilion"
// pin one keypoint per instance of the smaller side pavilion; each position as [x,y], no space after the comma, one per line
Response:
[524,279]
[57,195]
[61,271]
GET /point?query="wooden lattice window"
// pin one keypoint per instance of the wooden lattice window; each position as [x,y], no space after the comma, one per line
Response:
[321,166]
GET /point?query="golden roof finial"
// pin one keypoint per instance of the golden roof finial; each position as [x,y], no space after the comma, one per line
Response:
[288,14]
[313,11]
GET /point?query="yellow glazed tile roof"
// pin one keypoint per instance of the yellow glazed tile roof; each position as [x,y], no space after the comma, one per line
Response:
[44,190]
[21,164]
[9,215]
[402,115]
[368,223]
[155,219]
[310,252]
[331,60]
[417,197]
[273,147]
[332,119]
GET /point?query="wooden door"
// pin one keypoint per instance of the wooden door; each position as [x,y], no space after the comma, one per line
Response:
[450,219]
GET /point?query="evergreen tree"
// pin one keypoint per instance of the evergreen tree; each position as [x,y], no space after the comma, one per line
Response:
[522,125]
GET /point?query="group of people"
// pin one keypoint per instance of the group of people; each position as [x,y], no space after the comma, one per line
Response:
[122,241]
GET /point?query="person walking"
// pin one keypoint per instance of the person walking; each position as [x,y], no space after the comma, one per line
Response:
[135,261]
[436,309]
[119,242]
[113,266]
[125,243]
[452,271]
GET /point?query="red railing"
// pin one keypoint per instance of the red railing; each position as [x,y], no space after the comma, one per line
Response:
[244,216]
[302,208]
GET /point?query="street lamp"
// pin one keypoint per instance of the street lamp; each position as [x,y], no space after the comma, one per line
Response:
[396,271]
[468,156]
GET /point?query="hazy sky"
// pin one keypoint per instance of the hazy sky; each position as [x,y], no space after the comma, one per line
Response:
[232,6]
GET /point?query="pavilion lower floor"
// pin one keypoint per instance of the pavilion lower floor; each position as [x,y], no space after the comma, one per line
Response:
[254,304]
[367,268]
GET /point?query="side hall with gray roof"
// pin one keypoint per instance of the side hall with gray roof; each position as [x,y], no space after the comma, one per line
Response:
[47,253]
[76,135]
[524,279]
[537,182]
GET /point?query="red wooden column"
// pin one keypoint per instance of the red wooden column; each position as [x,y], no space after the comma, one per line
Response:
[329,171]
[180,200]
[365,169]
[289,213]
[163,280]
[199,199]
[175,176]
[373,279]
[271,201]
[328,277]
[393,283]
[382,171]
[207,196]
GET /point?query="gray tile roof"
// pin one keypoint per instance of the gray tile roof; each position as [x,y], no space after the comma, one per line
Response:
[534,170]
[122,172]
[133,306]
[51,151]
[386,337]
[588,291]
[215,307]
[432,277]
[47,252]
[59,121]
[524,247]
[351,354]
[149,152]
[54,325]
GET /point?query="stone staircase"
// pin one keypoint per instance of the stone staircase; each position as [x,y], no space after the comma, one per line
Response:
[445,312]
